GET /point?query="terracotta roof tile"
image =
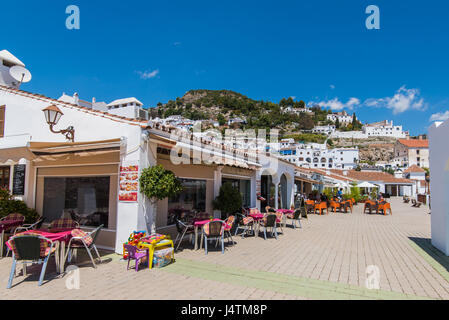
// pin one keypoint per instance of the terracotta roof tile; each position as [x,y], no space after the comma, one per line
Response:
[414,143]
[372,176]
[414,168]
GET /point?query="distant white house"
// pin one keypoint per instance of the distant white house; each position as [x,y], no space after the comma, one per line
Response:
[343,117]
[378,129]
[384,129]
[329,129]
[419,175]
[236,120]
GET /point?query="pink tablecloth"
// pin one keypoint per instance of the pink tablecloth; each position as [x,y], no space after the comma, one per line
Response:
[64,236]
[5,225]
[286,211]
[256,216]
[201,223]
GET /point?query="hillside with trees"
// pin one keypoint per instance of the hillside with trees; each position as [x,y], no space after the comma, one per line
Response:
[288,115]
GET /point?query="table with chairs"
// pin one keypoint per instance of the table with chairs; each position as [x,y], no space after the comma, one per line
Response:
[63,238]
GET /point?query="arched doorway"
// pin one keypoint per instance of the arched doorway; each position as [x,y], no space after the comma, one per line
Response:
[283,195]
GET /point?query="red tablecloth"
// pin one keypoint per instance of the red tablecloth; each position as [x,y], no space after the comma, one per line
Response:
[64,236]
[5,225]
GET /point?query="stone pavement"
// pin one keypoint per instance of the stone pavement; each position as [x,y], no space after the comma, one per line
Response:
[326,259]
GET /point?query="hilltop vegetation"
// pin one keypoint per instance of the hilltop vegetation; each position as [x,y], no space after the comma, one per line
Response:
[222,105]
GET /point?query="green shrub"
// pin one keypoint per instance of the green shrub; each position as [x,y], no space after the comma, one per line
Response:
[9,205]
[229,200]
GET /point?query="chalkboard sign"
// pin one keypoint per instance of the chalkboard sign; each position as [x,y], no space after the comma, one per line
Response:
[18,182]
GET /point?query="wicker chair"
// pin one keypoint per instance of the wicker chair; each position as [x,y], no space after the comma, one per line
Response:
[269,221]
[81,239]
[214,230]
[63,224]
[183,229]
[30,248]
[296,217]
[244,223]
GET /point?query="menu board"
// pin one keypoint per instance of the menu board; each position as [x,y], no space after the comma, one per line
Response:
[129,183]
[18,181]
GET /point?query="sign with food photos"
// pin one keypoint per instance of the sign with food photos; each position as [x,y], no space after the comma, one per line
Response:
[129,183]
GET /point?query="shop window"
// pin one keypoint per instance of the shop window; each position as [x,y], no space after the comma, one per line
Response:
[84,199]
[191,199]
[244,186]
[4,177]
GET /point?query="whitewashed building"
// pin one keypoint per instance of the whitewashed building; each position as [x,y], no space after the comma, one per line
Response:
[384,129]
[343,117]
[328,129]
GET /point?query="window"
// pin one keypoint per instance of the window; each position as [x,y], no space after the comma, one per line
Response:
[244,186]
[84,199]
[4,177]
[192,198]
[417,151]
[2,121]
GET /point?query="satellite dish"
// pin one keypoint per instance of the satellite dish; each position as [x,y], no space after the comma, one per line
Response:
[20,74]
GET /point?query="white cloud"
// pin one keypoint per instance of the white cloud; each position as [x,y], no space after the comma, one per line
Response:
[177,43]
[440,116]
[404,99]
[145,75]
[332,86]
[336,104]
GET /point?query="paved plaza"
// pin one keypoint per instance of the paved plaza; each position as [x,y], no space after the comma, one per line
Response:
[326,259]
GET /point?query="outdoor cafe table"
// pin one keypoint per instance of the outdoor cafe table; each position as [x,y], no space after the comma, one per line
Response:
[258,217]
[60,239]
[6,225]
[197,224]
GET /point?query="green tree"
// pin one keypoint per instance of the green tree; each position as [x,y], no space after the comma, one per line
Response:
[157,183]
[229,200]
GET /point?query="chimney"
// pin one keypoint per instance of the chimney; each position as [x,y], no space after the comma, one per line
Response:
[76,98]
[94,100]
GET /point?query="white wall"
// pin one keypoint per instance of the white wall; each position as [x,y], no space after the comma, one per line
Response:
[439,185]
[24,117]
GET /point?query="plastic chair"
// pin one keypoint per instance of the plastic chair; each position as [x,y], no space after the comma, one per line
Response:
[136,254]
[214,230]
[30,248]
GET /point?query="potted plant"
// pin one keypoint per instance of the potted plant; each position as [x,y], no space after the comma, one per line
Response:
[229,200]
[157,183]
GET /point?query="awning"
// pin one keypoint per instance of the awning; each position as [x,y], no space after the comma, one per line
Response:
[52,148]
[66,153]
[366,184]
[15,154]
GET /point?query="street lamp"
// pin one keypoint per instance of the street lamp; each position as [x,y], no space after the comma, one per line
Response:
[52,116]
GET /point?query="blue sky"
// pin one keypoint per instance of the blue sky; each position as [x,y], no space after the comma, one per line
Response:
[317,51]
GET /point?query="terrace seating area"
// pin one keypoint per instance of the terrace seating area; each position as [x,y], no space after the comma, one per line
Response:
[31,244]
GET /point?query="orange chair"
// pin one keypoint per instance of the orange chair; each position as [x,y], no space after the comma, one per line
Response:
[369,205]
[345,204]
[384,207]
[320,207]
[334,206]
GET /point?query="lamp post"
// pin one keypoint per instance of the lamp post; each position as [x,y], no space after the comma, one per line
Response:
[52,116]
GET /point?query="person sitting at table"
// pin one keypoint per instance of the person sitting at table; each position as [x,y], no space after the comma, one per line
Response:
[340,194]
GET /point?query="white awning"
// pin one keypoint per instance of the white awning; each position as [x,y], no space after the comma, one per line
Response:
[366,184]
